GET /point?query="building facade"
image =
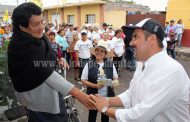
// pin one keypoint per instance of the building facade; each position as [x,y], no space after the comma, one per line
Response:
[93,12]
[78,14]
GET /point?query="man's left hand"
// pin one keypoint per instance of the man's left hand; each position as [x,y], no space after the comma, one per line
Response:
[99,102]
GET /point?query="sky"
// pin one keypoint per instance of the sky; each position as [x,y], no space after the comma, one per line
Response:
[155,5]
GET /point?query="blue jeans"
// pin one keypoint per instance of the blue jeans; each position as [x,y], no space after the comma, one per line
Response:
[171,52]
[179,37]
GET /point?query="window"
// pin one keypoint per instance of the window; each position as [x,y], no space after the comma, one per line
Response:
[91,18]
[70,19]
[55,16]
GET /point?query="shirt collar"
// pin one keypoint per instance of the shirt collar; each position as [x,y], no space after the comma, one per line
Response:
[155,58]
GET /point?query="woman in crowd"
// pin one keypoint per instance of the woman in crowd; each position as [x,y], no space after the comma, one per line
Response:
[55,45]
[95,76]
[61,40]
[95,35]
[74,56]
[179,31]
[111,32]
[108,42]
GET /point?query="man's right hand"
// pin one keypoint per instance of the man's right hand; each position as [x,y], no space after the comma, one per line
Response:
[99,85]
[82,98]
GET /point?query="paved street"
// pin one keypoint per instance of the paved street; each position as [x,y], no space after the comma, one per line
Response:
[125,78]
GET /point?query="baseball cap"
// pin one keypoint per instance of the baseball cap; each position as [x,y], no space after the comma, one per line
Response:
[172,20]
[148,24]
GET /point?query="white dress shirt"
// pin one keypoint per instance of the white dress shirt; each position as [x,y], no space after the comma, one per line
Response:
[159,93]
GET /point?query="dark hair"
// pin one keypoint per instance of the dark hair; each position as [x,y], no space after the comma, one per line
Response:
[83,34]
[59,31]
[46,29]
[117,31]
[22,14]
[147,34]
[51,33]
[178,21]
[75,28]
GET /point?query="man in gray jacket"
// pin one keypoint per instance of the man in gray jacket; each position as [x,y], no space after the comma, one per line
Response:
[31,64]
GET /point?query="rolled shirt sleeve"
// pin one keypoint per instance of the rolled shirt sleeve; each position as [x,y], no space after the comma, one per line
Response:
[60,84]
[121,115]
[125,99]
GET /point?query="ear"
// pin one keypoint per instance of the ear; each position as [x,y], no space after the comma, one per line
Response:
[22,28]
[152,38]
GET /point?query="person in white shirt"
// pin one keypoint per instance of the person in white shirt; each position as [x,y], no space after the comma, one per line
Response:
[96,74]
[89,32]
[108,42]
[95,35]
[69,33]
[103,29]
[82,48]
[118,48]
[111,32]
[159,90]
[179,31]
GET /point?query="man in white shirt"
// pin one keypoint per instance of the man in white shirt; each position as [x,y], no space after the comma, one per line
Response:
[82,48]
[103,29]
[159,90]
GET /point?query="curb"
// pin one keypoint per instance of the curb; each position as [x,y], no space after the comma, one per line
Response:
[183,54]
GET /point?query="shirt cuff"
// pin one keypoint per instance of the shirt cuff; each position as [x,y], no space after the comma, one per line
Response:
[58,83]
[121,115]
[125,99]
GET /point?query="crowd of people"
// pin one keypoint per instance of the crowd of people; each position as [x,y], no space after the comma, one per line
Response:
[159,90]
[5,34]
[174,34]
[74,43]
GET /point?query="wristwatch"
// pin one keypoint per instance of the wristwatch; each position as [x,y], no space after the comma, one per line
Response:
[104,109]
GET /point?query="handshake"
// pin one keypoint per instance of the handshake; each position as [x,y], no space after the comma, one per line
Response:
[93,102]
